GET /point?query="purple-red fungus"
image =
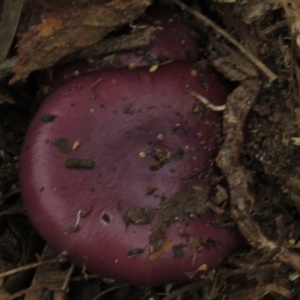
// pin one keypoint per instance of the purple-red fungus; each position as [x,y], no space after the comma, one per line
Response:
[116,168]
[172,40]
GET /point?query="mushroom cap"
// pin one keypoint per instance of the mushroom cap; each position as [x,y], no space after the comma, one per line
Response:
[108,167]
[172,40]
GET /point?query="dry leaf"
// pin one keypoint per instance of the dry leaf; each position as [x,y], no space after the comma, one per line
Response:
[165,246]
[61,33]
[47,277]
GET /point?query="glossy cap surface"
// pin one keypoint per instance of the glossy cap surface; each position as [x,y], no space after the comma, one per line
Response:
[107,170]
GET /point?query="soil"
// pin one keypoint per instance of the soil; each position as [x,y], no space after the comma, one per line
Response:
[259,160]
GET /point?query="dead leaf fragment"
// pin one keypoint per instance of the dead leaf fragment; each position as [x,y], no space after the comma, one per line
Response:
[76,144]
[48,278]
[166,245]
[61,33]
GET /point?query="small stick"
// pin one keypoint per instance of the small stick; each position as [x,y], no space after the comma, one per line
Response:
[272,28]
[207,103]
[214,286]
[27,267]
[272,76]
[10,194]
[67,278]
[25,291]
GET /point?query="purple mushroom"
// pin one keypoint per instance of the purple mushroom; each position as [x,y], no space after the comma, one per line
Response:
[172,40]
[116,168]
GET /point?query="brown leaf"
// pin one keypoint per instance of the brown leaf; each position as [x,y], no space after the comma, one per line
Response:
[62,32]
[166,245]
[48,277]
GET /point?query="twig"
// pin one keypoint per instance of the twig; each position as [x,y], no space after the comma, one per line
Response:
[10,194]
[187,288]
[27,267]
[272,28]
[206,21]
[25,291]
[67,278]
[207,103]
[213,288]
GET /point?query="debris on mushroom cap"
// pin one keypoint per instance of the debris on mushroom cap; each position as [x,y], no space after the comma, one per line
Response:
[174,40]
[166,46]
[145,224]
